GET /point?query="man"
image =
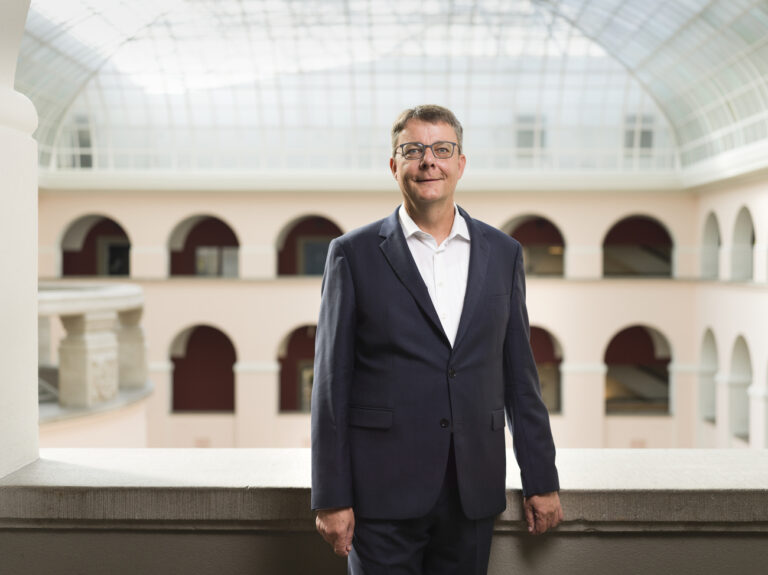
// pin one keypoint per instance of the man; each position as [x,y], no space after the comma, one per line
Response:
[422,345]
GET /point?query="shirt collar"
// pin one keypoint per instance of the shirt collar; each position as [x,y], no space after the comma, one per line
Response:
[410,227]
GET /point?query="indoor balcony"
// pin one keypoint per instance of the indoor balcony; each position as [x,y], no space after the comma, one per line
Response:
[238,511]
[99,384]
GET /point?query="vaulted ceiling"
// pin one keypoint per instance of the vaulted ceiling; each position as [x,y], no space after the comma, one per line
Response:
[590,85]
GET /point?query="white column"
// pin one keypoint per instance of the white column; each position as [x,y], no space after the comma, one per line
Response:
[258,261]
[585,261]
[686,261]
[18,252]
[758,416]
[257,387]
[684,402]
[760,265]
[88,368]
[583,404]
[132,350]
[149,262]
[159,409]
[725,260]
[722,412]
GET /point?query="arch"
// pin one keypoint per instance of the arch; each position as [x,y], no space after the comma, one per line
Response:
[739,380]
[710,248]
[302,245]
[203,359]
[548,354]
[637,245]
[708,366]
[296,358]
[543,244]
[637,378]
[742,246]
[95,245]
[203,245]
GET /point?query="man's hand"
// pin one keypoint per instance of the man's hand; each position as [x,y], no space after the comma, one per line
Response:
[542,512]
[337,526]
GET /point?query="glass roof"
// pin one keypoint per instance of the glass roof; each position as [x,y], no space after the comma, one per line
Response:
[603,85]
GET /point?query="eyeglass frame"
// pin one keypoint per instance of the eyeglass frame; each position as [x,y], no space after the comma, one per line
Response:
[424,147]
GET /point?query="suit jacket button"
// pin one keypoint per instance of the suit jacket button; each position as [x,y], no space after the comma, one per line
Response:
[444,423]
[451,372]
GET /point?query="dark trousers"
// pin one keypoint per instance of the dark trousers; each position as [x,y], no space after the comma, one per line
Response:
[443,542]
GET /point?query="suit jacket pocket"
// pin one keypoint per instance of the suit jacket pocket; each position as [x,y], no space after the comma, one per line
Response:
[497,419]
[376,418]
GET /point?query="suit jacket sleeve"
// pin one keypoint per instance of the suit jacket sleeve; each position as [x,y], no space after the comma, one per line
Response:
[333,372]
[529,420]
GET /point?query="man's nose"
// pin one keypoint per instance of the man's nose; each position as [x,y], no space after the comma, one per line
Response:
[429,157]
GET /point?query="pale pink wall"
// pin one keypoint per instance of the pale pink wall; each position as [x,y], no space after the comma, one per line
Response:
[582,311]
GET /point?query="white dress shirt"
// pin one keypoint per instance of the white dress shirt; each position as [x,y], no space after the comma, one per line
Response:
[443,268]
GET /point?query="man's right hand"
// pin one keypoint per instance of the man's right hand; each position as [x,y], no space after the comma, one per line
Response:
[337,526]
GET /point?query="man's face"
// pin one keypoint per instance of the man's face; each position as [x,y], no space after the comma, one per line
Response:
[430,179]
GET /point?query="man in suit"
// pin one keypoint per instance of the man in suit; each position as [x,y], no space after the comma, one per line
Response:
[422,348]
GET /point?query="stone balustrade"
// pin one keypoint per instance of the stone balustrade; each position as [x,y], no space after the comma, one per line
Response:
[237,511]
[104,350]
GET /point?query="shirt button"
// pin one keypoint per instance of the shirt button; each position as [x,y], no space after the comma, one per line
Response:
[444,423]
[451,372]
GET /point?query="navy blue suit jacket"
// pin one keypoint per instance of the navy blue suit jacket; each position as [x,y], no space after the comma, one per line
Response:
[389,390]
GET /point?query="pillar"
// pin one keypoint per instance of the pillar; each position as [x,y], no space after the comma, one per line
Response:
[684,402]
[149,262]
[758,417]
[159,408]
[583,261]
[258,261]
[88,365]
[18,252]
[583,404]
[760,265]
[132,350]
[257,399]
[722,414]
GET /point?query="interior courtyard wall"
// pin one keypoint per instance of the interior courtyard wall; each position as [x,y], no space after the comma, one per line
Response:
[256,314]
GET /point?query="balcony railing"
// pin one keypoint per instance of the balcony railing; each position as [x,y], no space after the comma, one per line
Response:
[236,511]
[103,352]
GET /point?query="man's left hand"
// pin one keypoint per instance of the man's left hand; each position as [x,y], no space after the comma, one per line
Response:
[542,512]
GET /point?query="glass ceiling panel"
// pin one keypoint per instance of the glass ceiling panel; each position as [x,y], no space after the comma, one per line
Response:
[703,61]
[303,84]
[282,93]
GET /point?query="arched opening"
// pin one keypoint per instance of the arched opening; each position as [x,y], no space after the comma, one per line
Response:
[203,370]
[95,245]
[707,372]
[637,246]
[738,383]
[203,246]
[637,380]
[710,248]
[297,360]
[543,245]
[303,246]
[548,355]
[742,247]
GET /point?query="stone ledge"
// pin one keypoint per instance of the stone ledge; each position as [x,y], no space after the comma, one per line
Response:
[268,490]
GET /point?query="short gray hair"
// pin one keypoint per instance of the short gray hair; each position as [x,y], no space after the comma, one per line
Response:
[431,114]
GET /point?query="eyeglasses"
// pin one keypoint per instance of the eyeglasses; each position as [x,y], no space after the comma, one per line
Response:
[416,150]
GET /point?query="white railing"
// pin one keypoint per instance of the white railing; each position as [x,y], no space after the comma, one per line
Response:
[104,350]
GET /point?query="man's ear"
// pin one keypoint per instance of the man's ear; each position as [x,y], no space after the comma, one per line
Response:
[393,167]
[462,164]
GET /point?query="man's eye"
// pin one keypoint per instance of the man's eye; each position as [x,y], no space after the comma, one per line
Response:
[443,149]
[411,151]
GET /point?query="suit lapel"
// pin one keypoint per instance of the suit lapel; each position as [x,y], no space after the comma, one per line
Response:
[478,267]
[400,259]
